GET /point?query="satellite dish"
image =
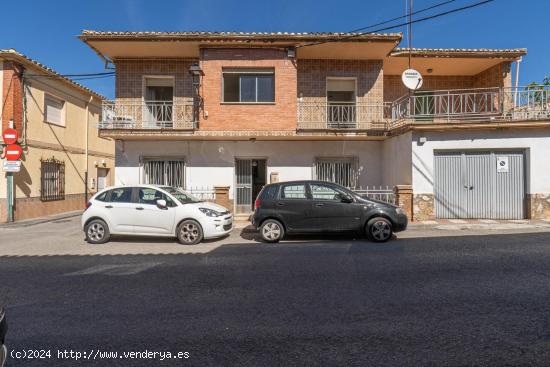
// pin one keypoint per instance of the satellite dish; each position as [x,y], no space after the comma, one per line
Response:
[412,79]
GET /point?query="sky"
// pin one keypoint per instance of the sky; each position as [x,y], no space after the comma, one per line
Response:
[47,30]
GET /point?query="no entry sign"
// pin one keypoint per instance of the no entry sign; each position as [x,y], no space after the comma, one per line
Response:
[13,152]
[10,136]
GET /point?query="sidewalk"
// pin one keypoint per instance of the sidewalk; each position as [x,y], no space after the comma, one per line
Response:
[40,220]
[463,224]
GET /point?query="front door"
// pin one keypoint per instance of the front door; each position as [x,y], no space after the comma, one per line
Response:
[102,174]
[329,211]
[250,178]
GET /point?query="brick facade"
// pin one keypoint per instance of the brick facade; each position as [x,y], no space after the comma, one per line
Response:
[12,96]
[280,115]
[313,74]
[303,79]
[130,76]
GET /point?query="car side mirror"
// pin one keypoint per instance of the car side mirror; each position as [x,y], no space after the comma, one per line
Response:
[346,199]
[161,203]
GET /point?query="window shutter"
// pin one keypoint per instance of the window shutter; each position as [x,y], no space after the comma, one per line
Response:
[53,110]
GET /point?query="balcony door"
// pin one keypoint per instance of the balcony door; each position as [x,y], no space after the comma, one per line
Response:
[341,103]
[159,101]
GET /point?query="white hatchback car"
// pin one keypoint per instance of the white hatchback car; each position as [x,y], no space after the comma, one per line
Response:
[149,210]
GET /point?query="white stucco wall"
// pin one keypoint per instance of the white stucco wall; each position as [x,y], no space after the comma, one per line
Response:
[397,160]
[535,142]
[212,163]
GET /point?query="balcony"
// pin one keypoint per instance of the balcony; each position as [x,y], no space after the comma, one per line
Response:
[136,115]
[343,116]
[472,105]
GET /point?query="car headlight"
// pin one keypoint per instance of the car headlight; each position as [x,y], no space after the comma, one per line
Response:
[398,210]
[210,212]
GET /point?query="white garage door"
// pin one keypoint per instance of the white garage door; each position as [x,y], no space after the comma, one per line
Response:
[489,184]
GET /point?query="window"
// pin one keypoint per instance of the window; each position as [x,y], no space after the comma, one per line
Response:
[341,111]
[102,196]
[323,192]
[121,195]
[268,192]
[169,172]
[52,180]
[159,95]
[54,110]
[294,192]
[249,85]
[341,171]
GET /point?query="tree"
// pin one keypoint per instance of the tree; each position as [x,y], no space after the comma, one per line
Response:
[539,93]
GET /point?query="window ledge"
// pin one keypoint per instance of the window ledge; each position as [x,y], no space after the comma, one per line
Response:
[248,103]
[55,123]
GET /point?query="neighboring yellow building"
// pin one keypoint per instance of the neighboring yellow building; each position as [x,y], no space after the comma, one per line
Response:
[63,156]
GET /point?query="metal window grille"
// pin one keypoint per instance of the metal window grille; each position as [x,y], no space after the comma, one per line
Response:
[342,171]
[52,180]
[170,172]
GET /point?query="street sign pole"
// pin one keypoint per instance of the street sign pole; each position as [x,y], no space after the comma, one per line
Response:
[12,152]
[9,176]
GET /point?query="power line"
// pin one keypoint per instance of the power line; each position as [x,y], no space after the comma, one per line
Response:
[400,25]
[403,16]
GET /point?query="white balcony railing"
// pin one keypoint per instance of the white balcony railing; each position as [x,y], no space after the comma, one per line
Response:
[147,115]
[421,107]
[342,115]
[484,104]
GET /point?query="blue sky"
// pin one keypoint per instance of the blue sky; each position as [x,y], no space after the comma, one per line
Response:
[48,32]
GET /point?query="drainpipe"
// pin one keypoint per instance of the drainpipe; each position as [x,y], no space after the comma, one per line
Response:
[516,83]
[86,150]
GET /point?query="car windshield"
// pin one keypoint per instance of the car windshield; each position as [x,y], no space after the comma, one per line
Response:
[182,196]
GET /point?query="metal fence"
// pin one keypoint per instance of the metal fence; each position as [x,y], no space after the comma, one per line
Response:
[122,114]
[205,193]
[341,115]
[170,172]
[52,180]
[521,103]
[382,193]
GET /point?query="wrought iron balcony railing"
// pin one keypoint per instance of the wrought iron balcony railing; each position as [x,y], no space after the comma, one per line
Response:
[342,115]
[122,114]
[484,104]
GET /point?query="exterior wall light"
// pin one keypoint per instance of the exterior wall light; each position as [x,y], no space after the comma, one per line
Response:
[197,73]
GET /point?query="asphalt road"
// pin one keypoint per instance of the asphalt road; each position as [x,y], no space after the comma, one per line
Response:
[441,301]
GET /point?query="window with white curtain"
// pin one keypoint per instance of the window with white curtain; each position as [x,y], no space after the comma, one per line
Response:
[54,110]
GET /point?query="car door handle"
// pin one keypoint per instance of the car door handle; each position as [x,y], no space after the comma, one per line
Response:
[319,204]
[139,208]
[280,204]
[109,206]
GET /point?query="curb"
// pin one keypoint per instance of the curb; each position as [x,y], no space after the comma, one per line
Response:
[35,221]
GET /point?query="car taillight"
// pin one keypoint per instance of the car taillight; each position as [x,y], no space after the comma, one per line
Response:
[257,204]
[88,204]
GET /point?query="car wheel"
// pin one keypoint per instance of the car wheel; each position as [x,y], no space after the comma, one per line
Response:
[379,230]
[189,232]
[97,232]
[272,230]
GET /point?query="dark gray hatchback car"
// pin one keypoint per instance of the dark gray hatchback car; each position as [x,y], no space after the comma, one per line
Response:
[302,207]
[3,330]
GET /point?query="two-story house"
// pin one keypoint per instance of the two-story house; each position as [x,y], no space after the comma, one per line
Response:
[64,159]
[239,110]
